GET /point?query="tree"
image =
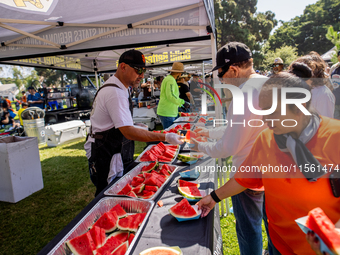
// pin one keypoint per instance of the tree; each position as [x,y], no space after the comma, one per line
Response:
[334,37]
[56,77]
[308,31]
[287,53]
[237,20]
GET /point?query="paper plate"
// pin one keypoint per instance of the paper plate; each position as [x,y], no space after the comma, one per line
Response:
[192,174]
[174,248]
[193,218]
[302,224]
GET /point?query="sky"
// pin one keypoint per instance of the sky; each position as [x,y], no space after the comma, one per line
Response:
[284,9]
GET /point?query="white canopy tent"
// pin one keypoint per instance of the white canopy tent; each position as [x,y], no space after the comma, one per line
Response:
[90,36]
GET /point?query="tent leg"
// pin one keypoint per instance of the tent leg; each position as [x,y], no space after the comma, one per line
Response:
[95,73]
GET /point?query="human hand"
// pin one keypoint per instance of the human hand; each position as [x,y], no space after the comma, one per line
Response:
[314,243]
[202,131]
[195,143]
[186,105]
[206,204]
[174,139]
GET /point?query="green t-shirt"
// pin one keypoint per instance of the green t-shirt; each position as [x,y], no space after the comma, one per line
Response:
[169,100]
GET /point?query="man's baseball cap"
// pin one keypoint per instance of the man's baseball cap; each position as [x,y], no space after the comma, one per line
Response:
[133,58]
[231,53]
[30,87]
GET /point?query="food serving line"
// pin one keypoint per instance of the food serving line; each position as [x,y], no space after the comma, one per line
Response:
[201,236]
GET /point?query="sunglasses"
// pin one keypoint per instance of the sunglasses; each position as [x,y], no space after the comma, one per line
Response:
[139,70]
[221,74]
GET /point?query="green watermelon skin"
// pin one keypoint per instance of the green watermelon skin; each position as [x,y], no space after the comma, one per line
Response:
[82,245]
[119,210]
[131,222]
[108,221]
[191,192]
[183,210]
[149,167]
[121,250]
[98,236]
[319,222]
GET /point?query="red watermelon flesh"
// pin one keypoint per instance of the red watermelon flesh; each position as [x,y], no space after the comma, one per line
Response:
[151,188]
[162,145]
[132,194]
[183,210]
[131,236]
[120,235]
[111,244]
[161,178]
[164,159]
[139,188]
[319,222]
[149,167]
[82,245]
[182,183]
[121,250]
[108,221]
[168,154]
[136,181]
[127,224]
[151,180]
[98,236]
[170,170]
[146,194]
[119,210]
[141,175]
[125,190]
[165,172]
[138,218]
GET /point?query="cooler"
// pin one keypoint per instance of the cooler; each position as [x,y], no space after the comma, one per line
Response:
[65,132]
[150,122]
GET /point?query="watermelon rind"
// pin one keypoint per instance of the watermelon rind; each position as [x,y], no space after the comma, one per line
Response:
[184,193]
[156,250]
[121,249]
[150,167]
[187,158]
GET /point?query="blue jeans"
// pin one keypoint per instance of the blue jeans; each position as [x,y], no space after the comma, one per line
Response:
[248,213]
[167,121]
[265,219]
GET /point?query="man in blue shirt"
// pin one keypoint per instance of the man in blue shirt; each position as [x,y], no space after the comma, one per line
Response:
[34,98]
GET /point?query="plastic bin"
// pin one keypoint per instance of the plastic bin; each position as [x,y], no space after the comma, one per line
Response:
[20,174]
[65,132]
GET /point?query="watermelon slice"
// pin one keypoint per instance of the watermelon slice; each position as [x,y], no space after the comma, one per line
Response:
[112,243]
[131,222]
[108,221]
[131,236]
[98,236]
[151,180]
[131,194]
[319,222]
[119,210]
[82,245]
[182,183]
[151,188]
[121,250]
[137,180]
[160,177]
[149,167]
[139,188]
[164,159]
[183,210]
[161,145]
[161,250]
[170,170]
[168,154]
[191,192]
[165,172]
[146,194]
[125,190]
[190,134]
[202,139]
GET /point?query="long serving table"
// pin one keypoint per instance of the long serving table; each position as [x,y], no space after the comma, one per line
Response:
[202,236]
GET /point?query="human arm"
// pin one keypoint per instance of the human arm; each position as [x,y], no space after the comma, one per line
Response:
[229,189]
[137,134]
[214,133]
[170,87]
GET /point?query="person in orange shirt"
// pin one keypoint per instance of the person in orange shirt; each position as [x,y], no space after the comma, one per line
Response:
[24,97]
[282,161]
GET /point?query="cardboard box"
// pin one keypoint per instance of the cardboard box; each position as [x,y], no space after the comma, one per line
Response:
[20,168]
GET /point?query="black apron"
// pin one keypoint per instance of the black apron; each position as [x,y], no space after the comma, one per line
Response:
[108,143]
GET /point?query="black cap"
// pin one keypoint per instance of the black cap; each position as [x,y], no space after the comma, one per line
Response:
[30,87]
[133,58]
[232,53]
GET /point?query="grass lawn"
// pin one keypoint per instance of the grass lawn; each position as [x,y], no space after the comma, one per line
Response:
[27,226]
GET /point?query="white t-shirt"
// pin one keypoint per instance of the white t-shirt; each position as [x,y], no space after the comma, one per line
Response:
[110,109]
[237,140]
[323,101]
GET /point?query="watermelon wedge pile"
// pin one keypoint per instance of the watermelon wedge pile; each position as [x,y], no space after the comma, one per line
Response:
[150,179]
[202,120]
[187,114]
[101,240]
[160,152]
[183,211]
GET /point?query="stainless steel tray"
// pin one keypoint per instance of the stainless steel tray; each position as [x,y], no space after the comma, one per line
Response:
[127,178]
[149,147]
[104,205]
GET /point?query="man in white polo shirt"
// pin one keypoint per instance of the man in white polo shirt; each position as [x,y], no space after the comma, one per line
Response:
[110,144]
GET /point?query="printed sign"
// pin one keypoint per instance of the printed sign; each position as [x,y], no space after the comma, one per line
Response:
[30,5]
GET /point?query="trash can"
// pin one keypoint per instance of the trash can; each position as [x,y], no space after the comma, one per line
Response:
[34,123]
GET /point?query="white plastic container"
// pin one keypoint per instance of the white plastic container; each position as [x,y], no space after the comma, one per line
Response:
[88,126]
[20,166]
[65,132]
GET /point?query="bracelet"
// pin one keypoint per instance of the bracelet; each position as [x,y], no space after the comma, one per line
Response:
[215,197]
